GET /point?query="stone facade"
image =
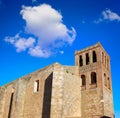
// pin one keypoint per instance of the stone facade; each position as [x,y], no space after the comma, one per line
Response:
[57,91]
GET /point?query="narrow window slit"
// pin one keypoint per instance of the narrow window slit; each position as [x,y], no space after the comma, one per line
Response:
[93,78]
[87,59]
[83,78]
[94,57]
[10,106]
[80,61]
[36,86]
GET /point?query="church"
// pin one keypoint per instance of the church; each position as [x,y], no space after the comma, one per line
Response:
[57,91]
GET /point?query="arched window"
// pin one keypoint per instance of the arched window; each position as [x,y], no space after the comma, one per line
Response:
[83,78]
[80,61]
[105,81]
[93,78]
[94,56]
[87,59]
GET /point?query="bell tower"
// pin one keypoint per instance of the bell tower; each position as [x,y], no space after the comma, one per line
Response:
[96,85]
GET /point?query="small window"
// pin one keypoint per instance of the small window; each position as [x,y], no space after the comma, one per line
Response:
[94,57]
[108,63]
[83,78]
[102,57]
[81,61]
[36,86]
[87,59]
[105,81]
[108,82]
[105,60]
[93,78]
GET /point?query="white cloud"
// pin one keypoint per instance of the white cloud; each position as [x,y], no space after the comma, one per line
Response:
[46,24]
[108,15]
[38,52]
[20,43]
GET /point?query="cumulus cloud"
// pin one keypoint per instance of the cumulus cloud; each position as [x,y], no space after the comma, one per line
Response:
[38,52]
[20,43]
[46,24]
[108,15]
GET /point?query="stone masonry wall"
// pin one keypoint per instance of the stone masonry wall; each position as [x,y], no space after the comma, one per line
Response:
[60,92]
[25,103]
[57,92]
[34,101]
[108,103]
[2,101]
[72,93]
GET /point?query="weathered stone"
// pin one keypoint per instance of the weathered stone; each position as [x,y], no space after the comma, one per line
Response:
[58,91]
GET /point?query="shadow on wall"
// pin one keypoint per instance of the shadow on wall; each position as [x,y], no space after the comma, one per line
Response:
[105,117]
[47,97]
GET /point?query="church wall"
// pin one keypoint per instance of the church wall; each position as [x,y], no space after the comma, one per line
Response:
[35,102]
[25,102]
[58,91]
[2,101]
[71,93]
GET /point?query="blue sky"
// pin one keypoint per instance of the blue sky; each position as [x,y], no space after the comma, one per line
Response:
[36,33]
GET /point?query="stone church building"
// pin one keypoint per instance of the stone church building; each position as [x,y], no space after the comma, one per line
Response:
[58,91]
